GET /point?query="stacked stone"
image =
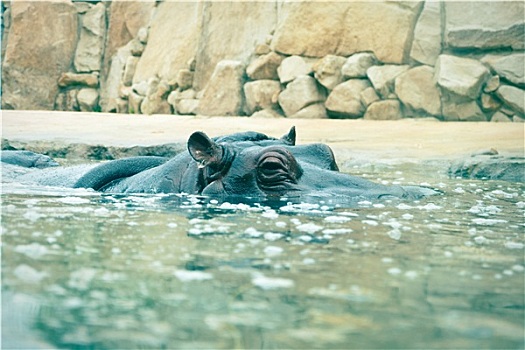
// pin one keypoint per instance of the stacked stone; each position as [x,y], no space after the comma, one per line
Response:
[79,88]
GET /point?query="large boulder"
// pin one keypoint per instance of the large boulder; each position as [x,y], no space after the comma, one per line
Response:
[384,28]
[384,110]
[224,94]
[456,110]
[78,79]
[315,111]
[426,45]
[87,99]
[345,100]
[261,94]
[264,67]
[417,89]
[125,20]
[301,92]
[88,56]
[383,77]
[513,97]
[291,67]
[357,65]
[224,36]
[328,71]
[38,51]
[461,76]
[109,89]
[510,67]
[485,25]
[172,40]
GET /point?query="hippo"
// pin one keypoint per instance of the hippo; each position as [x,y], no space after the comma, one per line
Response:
[247,164]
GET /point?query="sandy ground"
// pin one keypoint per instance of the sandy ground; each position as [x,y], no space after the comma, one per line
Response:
[405,140]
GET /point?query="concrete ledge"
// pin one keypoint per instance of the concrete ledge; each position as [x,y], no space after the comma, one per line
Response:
[404,140]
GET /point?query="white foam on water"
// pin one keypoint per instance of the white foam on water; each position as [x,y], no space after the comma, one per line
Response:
[189,276]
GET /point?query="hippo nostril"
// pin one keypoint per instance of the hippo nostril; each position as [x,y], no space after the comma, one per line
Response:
[277,170]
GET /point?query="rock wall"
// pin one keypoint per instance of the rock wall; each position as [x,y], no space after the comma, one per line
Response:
[374,60]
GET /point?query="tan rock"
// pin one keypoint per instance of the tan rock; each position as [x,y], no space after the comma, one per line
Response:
[426,46]
[353,27]
[315,111]
[129,70]
[345,100]
[30,69]
[368,96]
[487,25]
[510,67]
[187,106]
[223,95]
[122,106]
[357,65]
[462,111]
[226,37]
[264,67]
[384,110]
[489,103]
[88,56]
[328,71]
[260,94]
[417,89]
[262,49]
[172,41]
[492,84]
[513,97]
[499,117]
[87,99]
[67,101]
[154,105]
[78,79]
[184,79]
[134,102]
[109,87]
[292,67]
[301,92]
[267,114]
[125,19]
[461,76]
[383,78]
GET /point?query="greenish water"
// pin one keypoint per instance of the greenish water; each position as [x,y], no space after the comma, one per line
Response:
[83,270]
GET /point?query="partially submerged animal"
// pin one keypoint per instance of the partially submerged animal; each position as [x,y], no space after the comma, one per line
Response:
[247,164]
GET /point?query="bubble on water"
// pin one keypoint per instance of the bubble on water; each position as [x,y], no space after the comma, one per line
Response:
[73,200]
[28,274]
[435,227]
[172,224]
[504,194]
[273,250]
[520,204]
[447,254]
[115,250]
[32,215]
[411,274]
[309,227]
[487,222]
[498,276]
[253,232]
[189,276]
[508,272]
[430,206]
[271,236]
[370,222]
[214,201]
[270,214]
[394,234]
[81,278]
[387,260]
[513,245]
[101,211]
[480,240]
[280,224]
[403,206]
[407,216]
[305,238]
[477,277]
[33,250]
[337,219]
[337,231]
[308,261]
[378,205]
[472,231]
[459,190]
[518,268]
[394,271]
[269,283]
[349,213]
[350,241]
[364,203]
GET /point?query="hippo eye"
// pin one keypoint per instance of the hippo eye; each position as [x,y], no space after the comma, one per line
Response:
[277,170]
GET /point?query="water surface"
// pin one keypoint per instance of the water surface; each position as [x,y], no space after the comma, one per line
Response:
[85,270]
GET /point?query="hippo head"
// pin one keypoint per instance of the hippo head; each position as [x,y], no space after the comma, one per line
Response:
[255,165]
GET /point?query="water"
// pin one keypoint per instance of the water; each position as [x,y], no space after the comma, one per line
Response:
[89,271]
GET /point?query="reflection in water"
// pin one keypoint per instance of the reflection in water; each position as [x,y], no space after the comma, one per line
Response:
[84,270]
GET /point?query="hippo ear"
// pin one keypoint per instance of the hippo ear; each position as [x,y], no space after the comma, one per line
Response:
[203,149]
[289,138]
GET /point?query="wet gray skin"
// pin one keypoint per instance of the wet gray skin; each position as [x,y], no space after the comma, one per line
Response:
[249,164]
